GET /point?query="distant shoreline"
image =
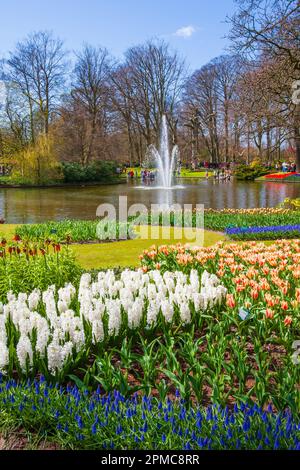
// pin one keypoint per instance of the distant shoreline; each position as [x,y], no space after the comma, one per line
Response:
[59,185]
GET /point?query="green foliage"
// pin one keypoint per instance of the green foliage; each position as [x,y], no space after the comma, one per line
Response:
[267,235]
[291,204]
[74,230]
[99,171]
[37,164]
[246,172]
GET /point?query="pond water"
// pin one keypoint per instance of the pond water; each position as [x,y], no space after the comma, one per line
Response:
[37,205]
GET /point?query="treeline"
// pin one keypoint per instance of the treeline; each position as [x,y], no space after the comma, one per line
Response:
[238,107]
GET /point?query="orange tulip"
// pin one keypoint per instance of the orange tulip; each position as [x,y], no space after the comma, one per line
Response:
[230,302]
[254,294]
[287,321]
[269,313]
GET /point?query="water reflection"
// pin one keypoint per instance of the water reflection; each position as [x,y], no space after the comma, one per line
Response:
[34,205]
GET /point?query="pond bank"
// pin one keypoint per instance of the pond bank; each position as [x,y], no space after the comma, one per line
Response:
[60,185]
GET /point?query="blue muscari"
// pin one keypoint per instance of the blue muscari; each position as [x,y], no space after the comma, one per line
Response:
[145,419]
[262,229]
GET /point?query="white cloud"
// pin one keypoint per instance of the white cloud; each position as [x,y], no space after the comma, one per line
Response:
[185,31]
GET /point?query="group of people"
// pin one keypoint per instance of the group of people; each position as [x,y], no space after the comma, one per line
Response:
[148,175]
[222,174]
[221,171]
[286,167]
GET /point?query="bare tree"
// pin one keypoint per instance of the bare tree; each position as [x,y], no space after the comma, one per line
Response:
[228,69]
[272,28]
[148,85]
[91,95]
[37,68]
[264,107]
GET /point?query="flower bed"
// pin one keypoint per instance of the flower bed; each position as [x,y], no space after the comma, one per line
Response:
[77,419]
[264,232]
[240,219]
[280,175]
[193,327]
[52,332]
[263,304]
[156,331]
[255,275]
[219,220]
[286,177]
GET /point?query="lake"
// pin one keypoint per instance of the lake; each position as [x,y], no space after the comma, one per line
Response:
[18,205]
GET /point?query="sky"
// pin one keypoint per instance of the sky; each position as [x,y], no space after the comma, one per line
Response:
[195,28]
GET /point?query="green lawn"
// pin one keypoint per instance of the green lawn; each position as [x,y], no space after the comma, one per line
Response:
[126,253]
[184,173]
[194,174]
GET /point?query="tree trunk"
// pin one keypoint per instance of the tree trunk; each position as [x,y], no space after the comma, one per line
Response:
[297,135]
[268,135]
[226,124]
[248,144]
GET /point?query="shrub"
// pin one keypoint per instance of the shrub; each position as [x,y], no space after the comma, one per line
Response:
[99,171]
[246,172]
[291,204]
[37,164]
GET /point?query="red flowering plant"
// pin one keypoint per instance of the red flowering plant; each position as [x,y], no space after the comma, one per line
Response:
[27,265]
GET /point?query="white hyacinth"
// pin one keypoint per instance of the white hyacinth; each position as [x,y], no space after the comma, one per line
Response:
[4,356]
[55,358]
[33,299]
[24,352]
[63,327]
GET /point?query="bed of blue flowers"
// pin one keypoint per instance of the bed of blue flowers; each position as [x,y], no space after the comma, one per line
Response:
[271,232]
[78,419]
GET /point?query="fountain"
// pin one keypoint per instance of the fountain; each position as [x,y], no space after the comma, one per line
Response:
[166,162]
